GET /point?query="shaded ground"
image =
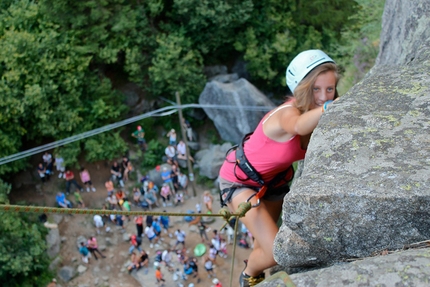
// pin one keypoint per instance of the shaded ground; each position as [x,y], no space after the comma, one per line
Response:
[111,271]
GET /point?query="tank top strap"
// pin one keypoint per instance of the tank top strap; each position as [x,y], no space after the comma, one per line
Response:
[272,113]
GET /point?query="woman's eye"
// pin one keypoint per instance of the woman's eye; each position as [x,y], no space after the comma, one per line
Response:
[330,90]
[316,89]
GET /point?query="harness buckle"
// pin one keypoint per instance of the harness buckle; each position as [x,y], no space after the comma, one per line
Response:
[258,201]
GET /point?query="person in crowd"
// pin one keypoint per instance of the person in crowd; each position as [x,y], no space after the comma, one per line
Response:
[119,219]
[170,153]
[157,227]
[135,243]
[183,182]
[166,258]
[98,222]
[113,202]
[208,200]
[59,164]
[48,163]
[174,176]
[41,170]
[149,219]
[212,253]
[109,187]
[281,138]
[192,262]
[172,137]
[151,197]
[93,247]
[166,176]
[179,198]
[120,195]
[165,194]
[180,238]
[189,130]
[85,253]
[127,167]
[165,221]
[159,277]
[209,265]
[150,233]
[216,283]
[116,173]
[138,220]
[139,134]
[202,230]
[181,149]
[136,196]
[70,180]
[86,179]
[144,261]
[78,198]
[134,262]
[61,200]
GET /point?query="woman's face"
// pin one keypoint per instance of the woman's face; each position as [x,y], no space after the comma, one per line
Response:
[324,88]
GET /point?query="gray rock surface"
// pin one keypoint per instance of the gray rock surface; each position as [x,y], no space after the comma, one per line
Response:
[210,160]
[405,30]
[406,268]
[233,123]
[365,184]
[66,273]
[53,241]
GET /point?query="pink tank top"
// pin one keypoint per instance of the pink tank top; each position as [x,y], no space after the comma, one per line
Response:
[267,156]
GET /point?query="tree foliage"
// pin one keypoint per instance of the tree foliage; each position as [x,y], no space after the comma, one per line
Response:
[23,257]
[62,60]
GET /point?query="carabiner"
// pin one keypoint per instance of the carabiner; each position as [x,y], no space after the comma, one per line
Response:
[258,201]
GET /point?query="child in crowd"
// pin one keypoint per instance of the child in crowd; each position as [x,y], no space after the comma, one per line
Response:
[159,277]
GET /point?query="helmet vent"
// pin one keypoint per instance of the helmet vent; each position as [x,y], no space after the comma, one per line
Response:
[313,63]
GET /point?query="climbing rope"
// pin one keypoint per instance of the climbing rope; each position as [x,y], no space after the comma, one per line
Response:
[243,208]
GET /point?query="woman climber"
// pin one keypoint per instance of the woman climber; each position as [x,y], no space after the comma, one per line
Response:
[259,170]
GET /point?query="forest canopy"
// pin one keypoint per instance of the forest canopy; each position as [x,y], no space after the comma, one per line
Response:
[61,60]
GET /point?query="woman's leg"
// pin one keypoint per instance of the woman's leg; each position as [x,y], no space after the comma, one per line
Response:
[260,222]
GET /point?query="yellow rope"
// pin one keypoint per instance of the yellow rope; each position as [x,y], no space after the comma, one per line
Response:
[44,209]
[242,209]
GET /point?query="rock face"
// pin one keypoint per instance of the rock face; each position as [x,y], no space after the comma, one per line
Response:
[406,268]
[53,242]
[210,160]
[365,184]
[242,107]
[404,31]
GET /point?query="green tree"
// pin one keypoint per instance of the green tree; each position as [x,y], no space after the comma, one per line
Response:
[48,89]
[23,257]
[176,67]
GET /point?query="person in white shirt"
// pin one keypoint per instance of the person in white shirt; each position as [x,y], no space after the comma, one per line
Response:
[59,163]
[98,222]
[180,238]
[182,151]
[150,233]
[166,257]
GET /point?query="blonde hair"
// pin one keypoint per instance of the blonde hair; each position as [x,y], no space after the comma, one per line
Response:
[304,90]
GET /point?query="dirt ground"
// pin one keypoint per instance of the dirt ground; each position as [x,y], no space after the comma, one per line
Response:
[111,270]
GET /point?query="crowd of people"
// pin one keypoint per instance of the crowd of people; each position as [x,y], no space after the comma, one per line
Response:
[154,229]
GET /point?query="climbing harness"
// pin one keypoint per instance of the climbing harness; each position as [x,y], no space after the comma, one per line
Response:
[251,173]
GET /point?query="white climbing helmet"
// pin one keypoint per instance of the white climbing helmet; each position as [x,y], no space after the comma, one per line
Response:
[302,64]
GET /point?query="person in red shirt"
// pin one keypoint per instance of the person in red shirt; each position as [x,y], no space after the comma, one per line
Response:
[70,179]
[216,282]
